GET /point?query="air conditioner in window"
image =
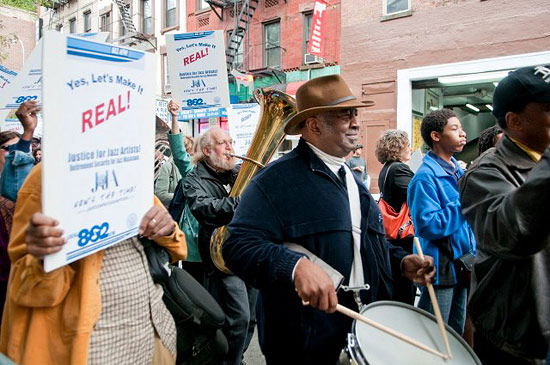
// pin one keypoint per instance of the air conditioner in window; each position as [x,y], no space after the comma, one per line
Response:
[310,59]
[167,89]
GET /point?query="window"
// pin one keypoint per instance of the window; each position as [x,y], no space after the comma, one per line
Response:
[307,29]
[396,6]
[165,77]
[105,22]
[238,60]
[72,25]
[87,21]
[170,13]
[202,5]
[272,44]
[121,29]
[147,17]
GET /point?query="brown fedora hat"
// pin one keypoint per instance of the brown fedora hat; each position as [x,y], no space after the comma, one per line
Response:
[320,95]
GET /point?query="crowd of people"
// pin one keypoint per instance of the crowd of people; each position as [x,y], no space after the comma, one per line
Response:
[483,232]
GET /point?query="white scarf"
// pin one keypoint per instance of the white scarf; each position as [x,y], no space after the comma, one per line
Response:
[334,164]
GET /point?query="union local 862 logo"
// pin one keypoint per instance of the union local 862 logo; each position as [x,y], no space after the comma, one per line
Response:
[94,234]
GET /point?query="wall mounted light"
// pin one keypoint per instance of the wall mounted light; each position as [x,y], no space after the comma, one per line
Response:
[473,78]
[472,107]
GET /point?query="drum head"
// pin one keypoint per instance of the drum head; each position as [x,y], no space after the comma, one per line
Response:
[380,348]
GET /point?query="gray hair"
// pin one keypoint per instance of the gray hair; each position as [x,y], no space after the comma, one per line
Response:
[203,140]
[391,145]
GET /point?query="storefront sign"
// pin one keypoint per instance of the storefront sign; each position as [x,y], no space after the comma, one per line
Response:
[99,112]
[243,119]
[318,24]
[198,73]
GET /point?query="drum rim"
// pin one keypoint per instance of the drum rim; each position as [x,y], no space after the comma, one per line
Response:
[420,311]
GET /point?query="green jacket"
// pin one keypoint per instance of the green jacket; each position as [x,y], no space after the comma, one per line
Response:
[187,222]
[167,181]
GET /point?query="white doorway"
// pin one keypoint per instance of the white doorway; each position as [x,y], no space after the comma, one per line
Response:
[405,78]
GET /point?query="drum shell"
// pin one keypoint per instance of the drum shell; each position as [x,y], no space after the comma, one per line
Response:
[368,345]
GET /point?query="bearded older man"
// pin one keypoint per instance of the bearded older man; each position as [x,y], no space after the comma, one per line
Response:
[207,193]
[310,197]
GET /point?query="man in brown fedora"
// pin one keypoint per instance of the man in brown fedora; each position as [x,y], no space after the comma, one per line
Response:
[311,198]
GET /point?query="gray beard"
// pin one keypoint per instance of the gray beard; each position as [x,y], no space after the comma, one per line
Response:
[221,163]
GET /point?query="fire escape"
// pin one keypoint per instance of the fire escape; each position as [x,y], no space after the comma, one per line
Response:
[242,24]
[132,36]
[55,5]
[244,11]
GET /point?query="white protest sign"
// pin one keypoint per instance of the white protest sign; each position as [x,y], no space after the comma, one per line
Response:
[99,37]
[28,83]
[99,113]
[6,77]
[202,113]
[416,160]
[242,121]
[198,72]
[11,123]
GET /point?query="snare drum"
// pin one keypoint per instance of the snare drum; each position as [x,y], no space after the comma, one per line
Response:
[368,345]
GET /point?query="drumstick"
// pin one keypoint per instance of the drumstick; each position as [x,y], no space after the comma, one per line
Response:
[353,314]
[435,305]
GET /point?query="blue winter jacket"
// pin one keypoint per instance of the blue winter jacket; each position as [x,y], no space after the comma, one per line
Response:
[18,165]
[298,199]
[434,203]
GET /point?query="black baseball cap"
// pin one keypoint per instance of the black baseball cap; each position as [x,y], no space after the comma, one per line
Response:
[522,86]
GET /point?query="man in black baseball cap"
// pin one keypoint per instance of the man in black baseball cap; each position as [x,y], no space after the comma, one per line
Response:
[528,84]
[506,198]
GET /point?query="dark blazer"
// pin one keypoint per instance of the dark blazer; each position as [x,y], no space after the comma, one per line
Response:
[298,199]
[394,190]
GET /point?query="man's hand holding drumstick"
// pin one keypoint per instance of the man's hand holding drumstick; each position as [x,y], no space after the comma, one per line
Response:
[315,287]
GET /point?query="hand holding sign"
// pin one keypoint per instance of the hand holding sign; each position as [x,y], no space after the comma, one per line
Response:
[26,113]
[157,222]
[173,108]
[42,236]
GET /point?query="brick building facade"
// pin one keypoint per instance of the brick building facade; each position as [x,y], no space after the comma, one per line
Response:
[292,17]
[22,24]
[278,27]
[385,57]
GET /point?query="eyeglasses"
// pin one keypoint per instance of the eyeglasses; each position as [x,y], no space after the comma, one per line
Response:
[225,141]
[345,114]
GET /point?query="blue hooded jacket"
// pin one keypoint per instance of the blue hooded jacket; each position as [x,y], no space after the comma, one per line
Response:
[434,203]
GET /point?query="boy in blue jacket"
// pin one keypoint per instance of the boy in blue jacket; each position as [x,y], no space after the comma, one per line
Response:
[434,202]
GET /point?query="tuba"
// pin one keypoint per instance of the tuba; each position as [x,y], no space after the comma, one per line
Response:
[276,108]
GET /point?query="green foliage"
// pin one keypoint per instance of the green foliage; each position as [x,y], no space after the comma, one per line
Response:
[45,3]
[29,5]
[5,43]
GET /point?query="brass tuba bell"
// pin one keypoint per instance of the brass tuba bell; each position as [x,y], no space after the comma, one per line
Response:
[276,108]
